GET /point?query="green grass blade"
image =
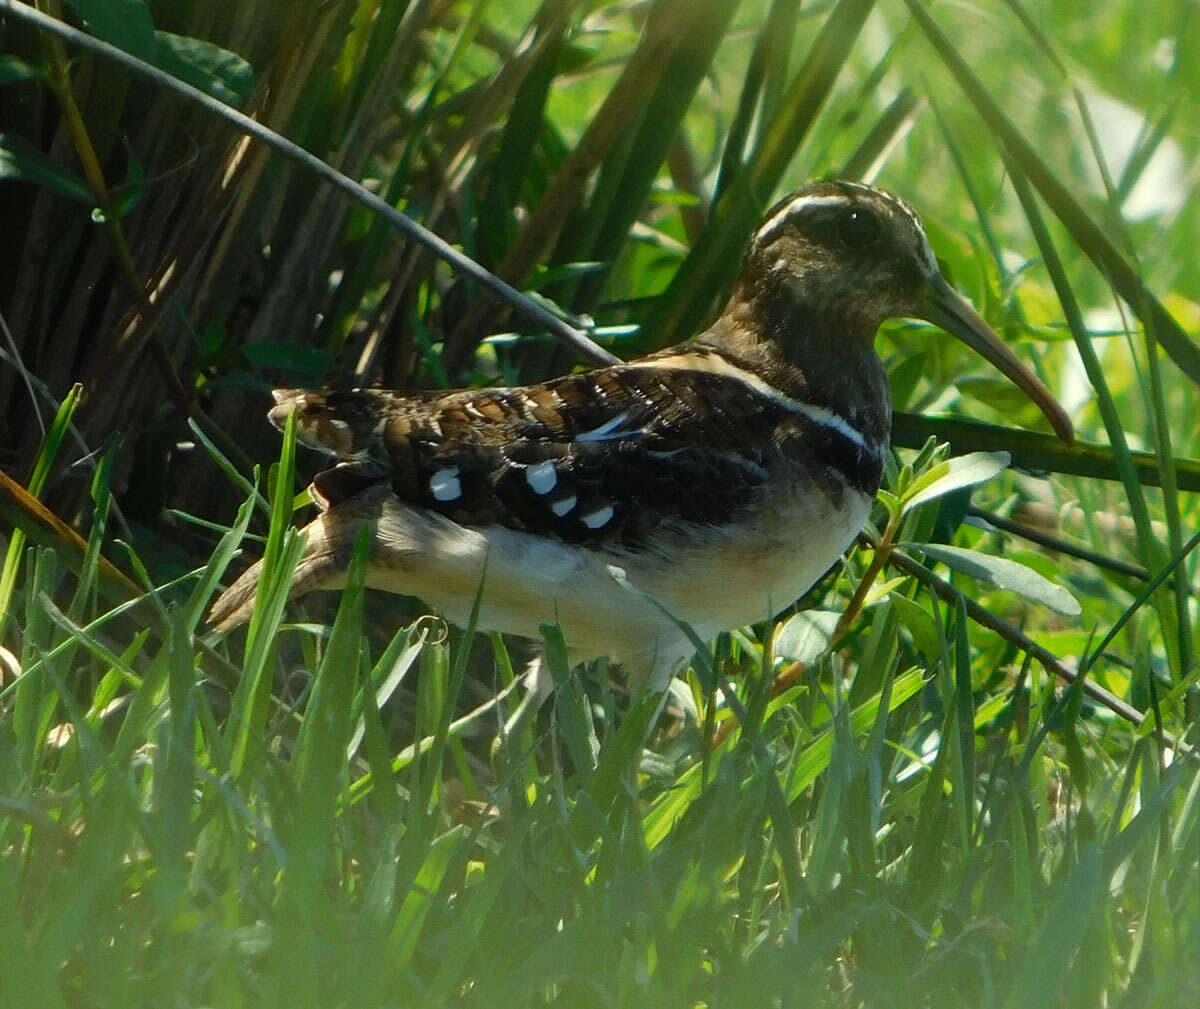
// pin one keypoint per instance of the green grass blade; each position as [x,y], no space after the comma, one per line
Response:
[686,68]
[716,258]
[282,554]
[761,87]
[1089,236]
[1031,450]
[51,443]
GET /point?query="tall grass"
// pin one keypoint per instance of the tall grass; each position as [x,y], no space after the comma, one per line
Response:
[976,789]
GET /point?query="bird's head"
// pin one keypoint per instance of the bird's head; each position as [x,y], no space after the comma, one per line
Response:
[838,258]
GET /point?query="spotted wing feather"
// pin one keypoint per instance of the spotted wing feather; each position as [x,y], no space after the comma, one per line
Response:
[609,454]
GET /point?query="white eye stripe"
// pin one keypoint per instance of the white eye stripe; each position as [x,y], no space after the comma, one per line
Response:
[770,229]
[778,221]
[445,484]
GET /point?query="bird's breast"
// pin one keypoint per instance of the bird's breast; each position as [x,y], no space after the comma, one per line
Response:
[724,577]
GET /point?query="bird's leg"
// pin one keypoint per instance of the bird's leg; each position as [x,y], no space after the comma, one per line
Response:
[539,684]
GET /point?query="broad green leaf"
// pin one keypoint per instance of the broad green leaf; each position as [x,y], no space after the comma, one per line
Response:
[961,471]
[22,162]
[126,24]
[805,636]
[215,71]
[882,589]
[13,68]
[1004,574]
[920,624]
[299,358]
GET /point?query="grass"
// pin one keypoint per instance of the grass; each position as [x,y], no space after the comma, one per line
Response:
[322,810]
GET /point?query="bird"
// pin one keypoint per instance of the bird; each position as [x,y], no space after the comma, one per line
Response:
[709,484]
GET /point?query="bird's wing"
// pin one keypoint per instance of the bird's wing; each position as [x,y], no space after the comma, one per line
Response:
[593,457]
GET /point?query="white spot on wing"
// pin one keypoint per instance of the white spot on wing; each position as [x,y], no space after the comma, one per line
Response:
[560,508]
[541,478]
[598,518]
[445,484]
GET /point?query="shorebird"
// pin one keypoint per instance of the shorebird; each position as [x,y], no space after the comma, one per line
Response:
[720,477]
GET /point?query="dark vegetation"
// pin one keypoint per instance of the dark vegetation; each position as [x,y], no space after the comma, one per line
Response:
[316,812]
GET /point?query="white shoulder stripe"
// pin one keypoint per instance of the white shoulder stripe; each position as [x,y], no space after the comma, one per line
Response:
[717,365]
[835,422]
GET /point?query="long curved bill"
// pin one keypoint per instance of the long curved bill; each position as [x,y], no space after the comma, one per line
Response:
[945,307]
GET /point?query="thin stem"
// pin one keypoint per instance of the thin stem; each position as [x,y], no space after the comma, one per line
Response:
[564,331]
[59,79]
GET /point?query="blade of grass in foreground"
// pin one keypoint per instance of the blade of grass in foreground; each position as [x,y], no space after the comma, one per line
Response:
[1032,450]
[812,760]
[319,769]
[284,547]
[715,259]
[1086,233]
[37,480]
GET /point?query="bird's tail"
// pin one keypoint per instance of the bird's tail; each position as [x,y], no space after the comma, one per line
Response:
[322,566]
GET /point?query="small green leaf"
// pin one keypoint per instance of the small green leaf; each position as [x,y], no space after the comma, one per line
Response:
[920,624]
[904,378]
[1004,574]
[998,393]
[961,471]
[806,636]
[286,356]
[21,161]
[889,501]
[13,68]
[215,71]
[126,196]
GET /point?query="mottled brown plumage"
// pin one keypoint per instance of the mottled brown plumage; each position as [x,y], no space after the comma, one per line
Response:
[720,477]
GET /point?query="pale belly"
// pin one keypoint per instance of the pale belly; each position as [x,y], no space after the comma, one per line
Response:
[604,600]
[750,575]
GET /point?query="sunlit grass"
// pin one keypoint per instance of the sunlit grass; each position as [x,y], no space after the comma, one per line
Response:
[322,809]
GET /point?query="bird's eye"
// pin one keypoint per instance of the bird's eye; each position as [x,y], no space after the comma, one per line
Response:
[858,228]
